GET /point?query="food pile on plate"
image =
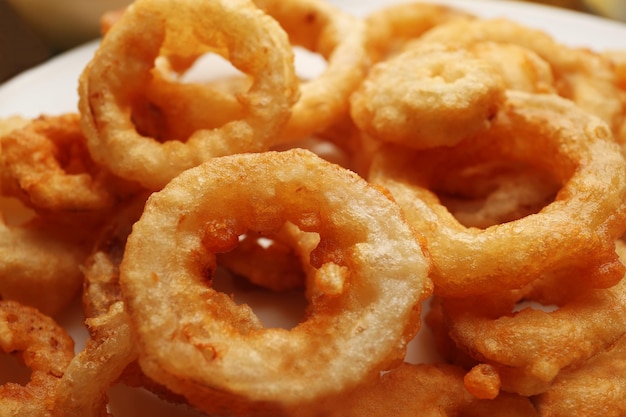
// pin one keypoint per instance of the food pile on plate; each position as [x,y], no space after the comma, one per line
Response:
[466,168]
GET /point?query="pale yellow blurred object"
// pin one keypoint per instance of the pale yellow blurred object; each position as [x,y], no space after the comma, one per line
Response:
[62,24]
[615,9]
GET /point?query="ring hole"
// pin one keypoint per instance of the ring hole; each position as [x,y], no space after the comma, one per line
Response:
[275,309]
[266,275]
[525,304]
[73,155]
[13,370]
[177,104]
[495,193]
[209,67]
[214,68]
[309,65]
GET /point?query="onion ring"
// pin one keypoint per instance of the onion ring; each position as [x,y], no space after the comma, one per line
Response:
[81,392]
[595,389]
[45,348]
[580,74]
[314,25]
[101,284]
[427,97]
[410,390]
[233,28]
[526,348]
[231,356]
[46,165]
[45,255]
[436,94]
[577,230]
[617,58]
[39,250]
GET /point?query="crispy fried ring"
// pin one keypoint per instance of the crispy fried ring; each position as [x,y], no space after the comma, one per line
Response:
[314,25]
[595,389]
[348,335]
[436,94]
[39,251]
[236,29]
[44,255]
[81,392]
[46,349]
[577,230]
[168,108]
[428,97]
[47,166]
[425,390]
[526,348]
[617,58]
[580,74]
[340,38]
[42,251]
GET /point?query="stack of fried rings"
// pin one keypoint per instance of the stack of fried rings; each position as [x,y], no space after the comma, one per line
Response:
[144,199]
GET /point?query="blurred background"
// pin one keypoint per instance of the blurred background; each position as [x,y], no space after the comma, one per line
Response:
[32,31]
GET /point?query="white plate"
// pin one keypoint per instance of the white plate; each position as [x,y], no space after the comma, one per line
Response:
[51,89]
